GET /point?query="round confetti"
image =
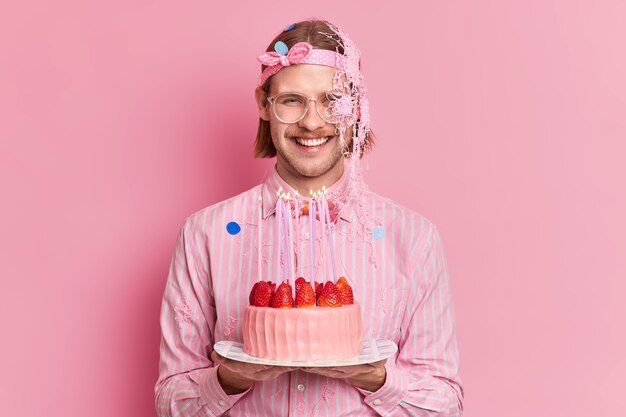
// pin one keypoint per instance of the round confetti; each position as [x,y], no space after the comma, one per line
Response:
[233,228]
[281,47]
[288,28]
[378,233]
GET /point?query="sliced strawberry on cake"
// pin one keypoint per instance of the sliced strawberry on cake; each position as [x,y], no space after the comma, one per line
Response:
[329,296]
[252,293]
[283,296]
[305,296]
[263,294]
[345,291]
[299,282]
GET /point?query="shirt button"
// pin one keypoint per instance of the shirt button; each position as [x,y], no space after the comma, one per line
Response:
[222,403]
[377,402]
[300,387]
[306,235]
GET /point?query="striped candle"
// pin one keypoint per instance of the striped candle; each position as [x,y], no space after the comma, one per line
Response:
[312,239]
[297,225]
[260,239]
[331,239]
[278,231]
[288,224]
[324,264]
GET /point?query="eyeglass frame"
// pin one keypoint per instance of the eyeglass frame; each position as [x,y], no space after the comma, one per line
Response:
[272,101]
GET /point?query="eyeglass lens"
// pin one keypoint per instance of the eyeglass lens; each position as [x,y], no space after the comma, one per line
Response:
[291,107]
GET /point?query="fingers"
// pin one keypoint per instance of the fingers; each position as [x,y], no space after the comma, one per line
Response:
[217,358]
[346,371]
[331,372]
[250,371]
[379,364]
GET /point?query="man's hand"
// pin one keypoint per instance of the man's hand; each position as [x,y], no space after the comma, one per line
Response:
[236,377]
[369,377]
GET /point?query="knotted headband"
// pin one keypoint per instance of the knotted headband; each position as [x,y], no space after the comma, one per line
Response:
[300,53]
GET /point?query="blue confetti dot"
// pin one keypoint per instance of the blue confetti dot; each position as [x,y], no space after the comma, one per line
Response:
[233,228]
[281,47]
[288,28]
[378,233]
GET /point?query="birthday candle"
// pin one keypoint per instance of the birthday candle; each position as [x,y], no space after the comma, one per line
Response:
[312,238]
[297,221]
[290,245]
[260,239]
[324,265]
[331,240]
[278,231]
[285,241]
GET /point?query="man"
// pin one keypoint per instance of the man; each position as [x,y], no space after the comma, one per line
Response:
[314,118]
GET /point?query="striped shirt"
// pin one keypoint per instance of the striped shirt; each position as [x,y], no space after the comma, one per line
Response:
[400,280]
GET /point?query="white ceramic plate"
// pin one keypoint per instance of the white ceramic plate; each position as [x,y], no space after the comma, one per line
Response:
[372,350]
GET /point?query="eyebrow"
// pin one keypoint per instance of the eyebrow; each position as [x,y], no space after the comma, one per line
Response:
[301,93]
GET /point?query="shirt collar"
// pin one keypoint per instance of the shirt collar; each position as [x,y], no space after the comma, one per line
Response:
[275,182]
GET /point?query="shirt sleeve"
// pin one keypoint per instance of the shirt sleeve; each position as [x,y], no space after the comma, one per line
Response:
[187,383]
[424,379]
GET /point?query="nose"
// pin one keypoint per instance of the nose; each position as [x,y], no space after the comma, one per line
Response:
[311,120]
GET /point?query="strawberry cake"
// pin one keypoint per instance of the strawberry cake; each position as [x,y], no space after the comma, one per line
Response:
[324,324]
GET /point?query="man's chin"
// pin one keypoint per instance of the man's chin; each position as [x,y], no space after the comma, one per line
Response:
[310,170]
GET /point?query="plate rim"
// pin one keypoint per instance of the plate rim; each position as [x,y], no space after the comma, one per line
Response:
[300,364]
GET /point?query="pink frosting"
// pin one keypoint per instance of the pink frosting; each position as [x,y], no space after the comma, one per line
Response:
[303,334]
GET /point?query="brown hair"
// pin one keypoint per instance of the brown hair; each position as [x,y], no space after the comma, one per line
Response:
[315,32]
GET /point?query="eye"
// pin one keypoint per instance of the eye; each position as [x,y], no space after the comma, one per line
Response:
[333,95]
[291,100]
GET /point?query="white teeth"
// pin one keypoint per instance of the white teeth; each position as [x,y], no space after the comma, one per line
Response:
[311,142]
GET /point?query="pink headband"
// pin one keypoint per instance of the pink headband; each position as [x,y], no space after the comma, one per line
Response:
[300,53]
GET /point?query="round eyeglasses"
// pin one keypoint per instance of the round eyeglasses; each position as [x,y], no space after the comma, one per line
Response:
[292,107]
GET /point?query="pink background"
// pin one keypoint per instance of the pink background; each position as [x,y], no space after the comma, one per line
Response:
[503,122]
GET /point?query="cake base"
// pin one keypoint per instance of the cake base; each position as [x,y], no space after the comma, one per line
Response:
[303,334]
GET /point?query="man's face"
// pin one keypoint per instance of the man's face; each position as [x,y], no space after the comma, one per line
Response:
[308,148]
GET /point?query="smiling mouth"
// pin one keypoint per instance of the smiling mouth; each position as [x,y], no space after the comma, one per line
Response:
[311,142]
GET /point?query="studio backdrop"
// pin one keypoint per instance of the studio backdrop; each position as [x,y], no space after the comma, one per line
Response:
[504,123]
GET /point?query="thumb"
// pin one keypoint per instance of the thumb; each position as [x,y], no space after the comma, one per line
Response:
[217,358]
[379,364]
